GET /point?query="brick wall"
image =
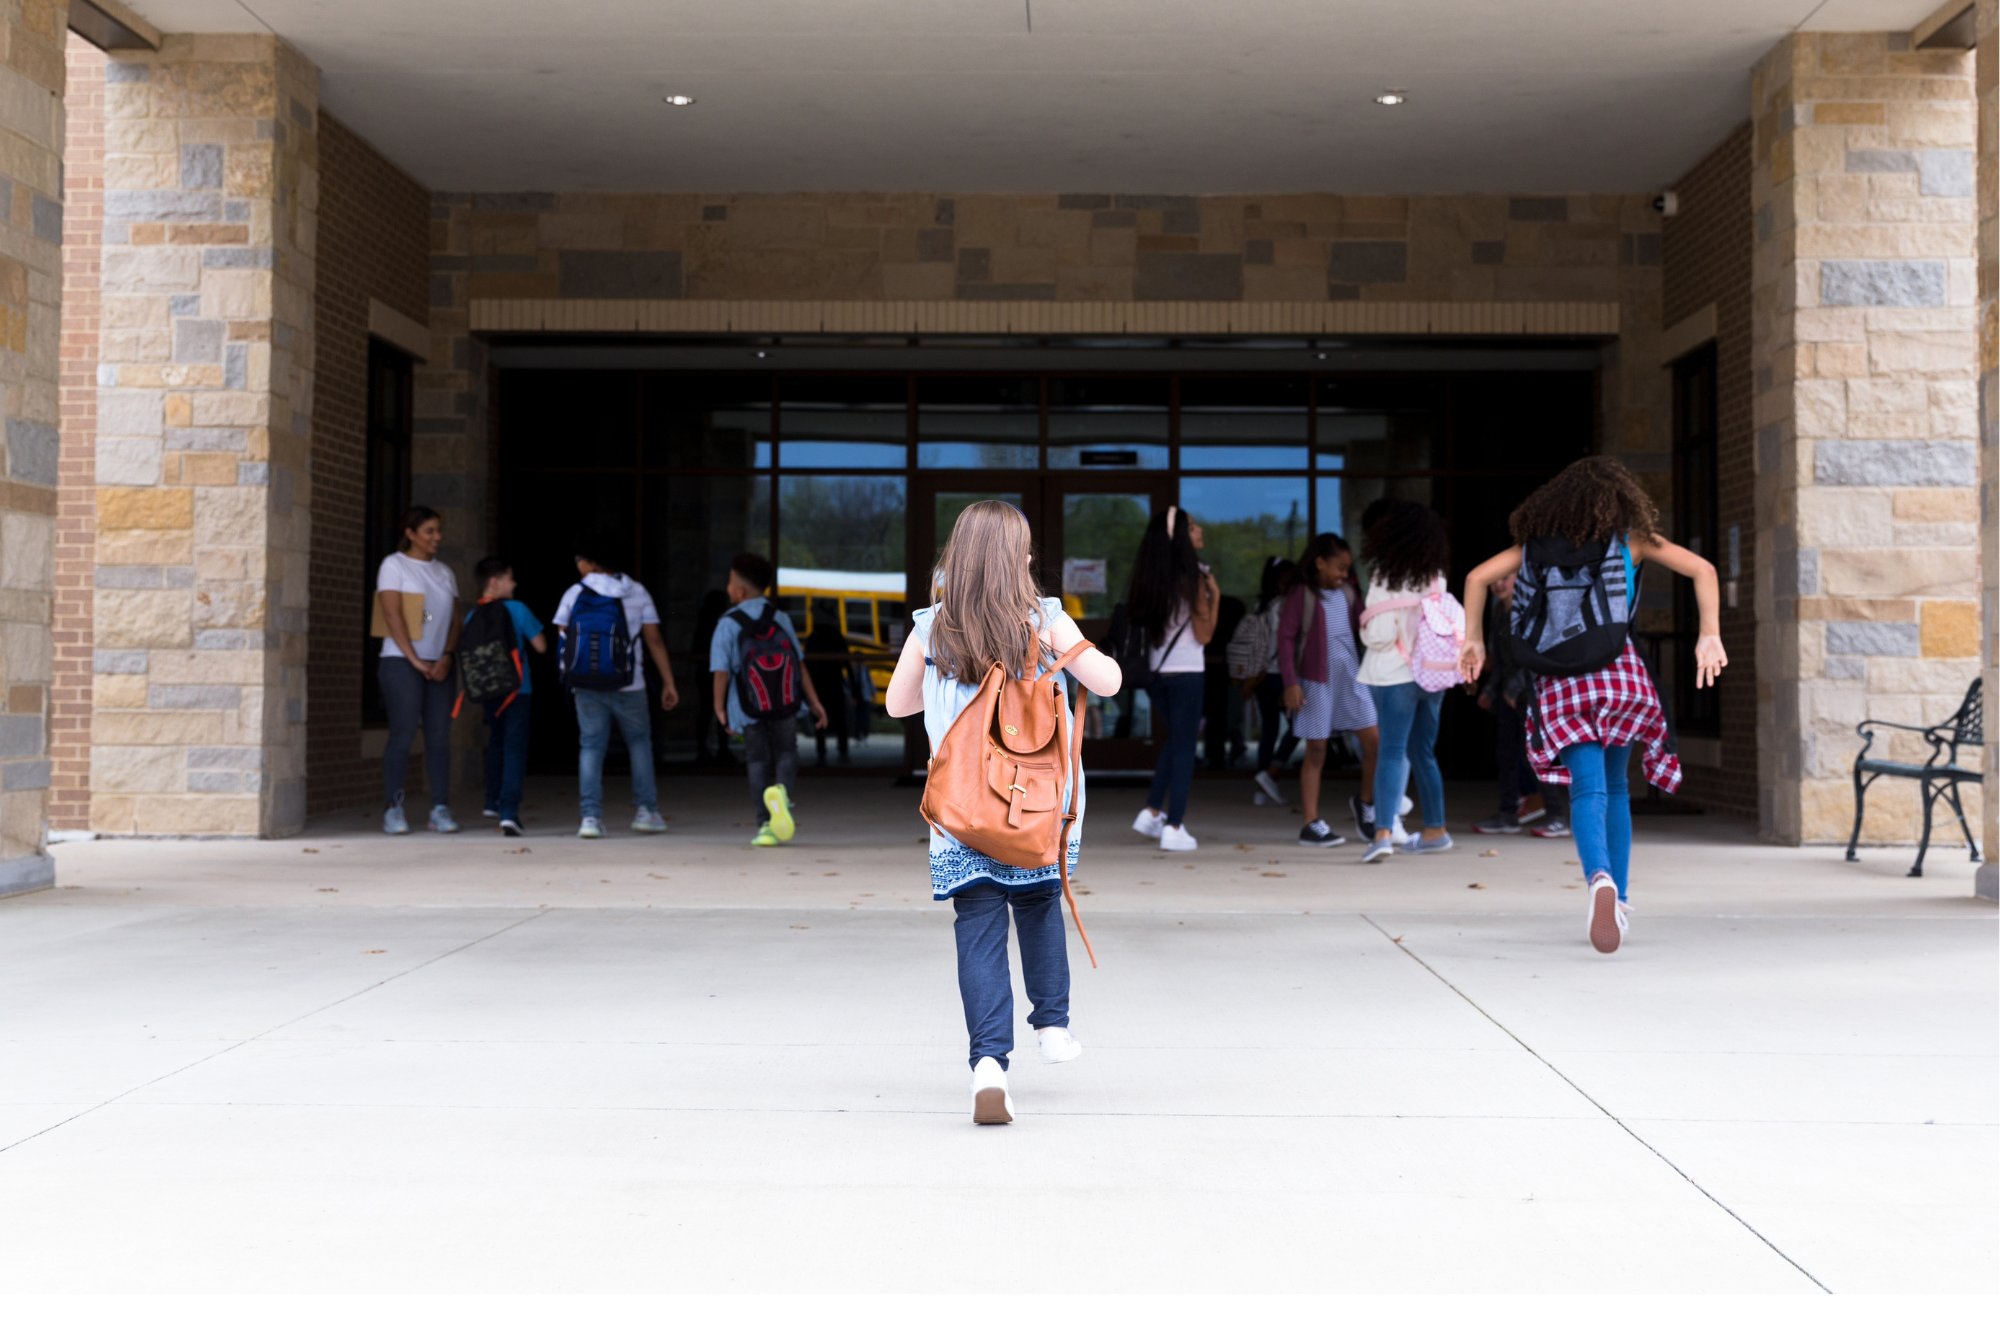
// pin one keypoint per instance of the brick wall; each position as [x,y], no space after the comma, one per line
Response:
[374,242]
[76,498]
[1706,259]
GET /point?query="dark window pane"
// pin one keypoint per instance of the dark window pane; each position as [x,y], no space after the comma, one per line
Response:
[1341,501]
[569,418]
[1244,520]
[1243,423]
[848,421]
[1375,441]
[1526,423]
[841,523]
[708,421]
[1108,424]
[978,423]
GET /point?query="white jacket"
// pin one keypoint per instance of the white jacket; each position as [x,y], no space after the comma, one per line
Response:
[1383,663]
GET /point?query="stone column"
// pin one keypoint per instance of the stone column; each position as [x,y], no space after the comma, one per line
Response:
[204,409]
[1987,64]
[31,222]
[1865,360]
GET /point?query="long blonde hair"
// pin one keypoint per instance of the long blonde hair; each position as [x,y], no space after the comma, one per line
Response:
[991,612]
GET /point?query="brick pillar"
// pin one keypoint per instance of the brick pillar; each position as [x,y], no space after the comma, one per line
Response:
[76,493]
[31,222]
[1987,64]
[1866,415]
[204,407]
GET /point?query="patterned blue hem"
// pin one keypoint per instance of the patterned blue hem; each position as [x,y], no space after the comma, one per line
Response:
[959,867]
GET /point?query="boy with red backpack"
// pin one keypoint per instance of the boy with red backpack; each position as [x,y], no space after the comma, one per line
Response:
[760,680]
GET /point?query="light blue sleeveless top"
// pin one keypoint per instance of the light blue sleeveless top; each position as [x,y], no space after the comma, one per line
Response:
[954,866]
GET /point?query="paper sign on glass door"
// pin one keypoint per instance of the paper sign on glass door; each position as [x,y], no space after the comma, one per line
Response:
[1083,577]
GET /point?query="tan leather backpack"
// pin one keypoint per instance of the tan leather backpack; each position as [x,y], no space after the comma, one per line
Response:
[996,780]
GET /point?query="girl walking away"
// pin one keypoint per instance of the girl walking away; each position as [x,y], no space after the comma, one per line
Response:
[417,618]
[1173,602]
[1409,551]
[985,611]
[1582,539]
[1319,635]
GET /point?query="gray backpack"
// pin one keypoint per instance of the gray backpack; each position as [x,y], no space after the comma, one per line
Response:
[1572,610]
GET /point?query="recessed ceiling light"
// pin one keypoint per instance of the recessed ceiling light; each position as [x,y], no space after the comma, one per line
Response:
[1392,97]
[678,99]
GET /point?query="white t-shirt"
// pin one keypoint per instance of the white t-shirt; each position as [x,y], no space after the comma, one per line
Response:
[1184,654]
[435,580]
[639,610]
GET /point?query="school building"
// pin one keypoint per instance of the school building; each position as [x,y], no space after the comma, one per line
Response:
[808,278]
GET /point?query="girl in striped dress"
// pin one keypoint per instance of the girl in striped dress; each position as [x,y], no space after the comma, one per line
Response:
[985,609]
[1586,725]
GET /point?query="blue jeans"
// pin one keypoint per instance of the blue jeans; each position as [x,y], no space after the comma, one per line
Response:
[507,755]
[1600,809]
[1407,717]
[1176,700]
[413,700]
[984,984]
[594,711]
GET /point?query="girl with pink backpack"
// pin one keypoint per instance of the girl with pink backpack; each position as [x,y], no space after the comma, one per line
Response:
[1413,630]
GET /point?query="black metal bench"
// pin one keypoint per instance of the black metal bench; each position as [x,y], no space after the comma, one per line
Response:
[1939,774]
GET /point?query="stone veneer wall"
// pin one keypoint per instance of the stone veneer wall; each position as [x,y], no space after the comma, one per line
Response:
[203,433]
[31,226]
[373,244]
[1865,307]
[76,496]
[1987,76]
[1706,259]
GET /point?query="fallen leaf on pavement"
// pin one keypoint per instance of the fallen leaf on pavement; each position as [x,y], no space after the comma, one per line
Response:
[1475,886]
[1489,852]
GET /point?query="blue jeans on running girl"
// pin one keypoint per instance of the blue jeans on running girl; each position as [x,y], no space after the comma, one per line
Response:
[1406,717]
[1600,809]
[1176,700]
[983,982]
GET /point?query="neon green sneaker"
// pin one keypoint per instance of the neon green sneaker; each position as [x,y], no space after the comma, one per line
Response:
[779,803]
[764,838]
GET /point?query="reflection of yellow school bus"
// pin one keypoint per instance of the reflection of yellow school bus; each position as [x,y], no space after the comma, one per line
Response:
[868,608]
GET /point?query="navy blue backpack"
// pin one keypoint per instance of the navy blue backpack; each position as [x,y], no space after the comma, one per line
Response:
[596,644]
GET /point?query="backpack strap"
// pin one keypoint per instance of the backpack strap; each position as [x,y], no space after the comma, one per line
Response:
[1389,604]
[1069,811]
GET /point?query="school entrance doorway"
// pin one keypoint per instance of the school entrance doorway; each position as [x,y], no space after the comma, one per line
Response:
[848,471]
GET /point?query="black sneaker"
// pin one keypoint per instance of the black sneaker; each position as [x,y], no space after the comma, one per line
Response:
[1365,827]
[1503,823]
[1317,834]
[511,828]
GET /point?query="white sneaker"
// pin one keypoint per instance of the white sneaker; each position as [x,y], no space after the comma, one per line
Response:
[1175,838]
[1401,834]
[991,1102]
[1403,807]
[592,827]
[1057,1045]
[1268,787]
[1149,824]
[1607,915]
[1258,797]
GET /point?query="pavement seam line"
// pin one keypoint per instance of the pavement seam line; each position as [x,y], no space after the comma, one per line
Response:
[1608,1113]
[259,1036]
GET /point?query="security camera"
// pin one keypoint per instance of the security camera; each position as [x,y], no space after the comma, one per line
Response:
[1667,204]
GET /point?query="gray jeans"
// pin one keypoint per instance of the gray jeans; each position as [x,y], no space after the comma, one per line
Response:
[769,746]
[412,701]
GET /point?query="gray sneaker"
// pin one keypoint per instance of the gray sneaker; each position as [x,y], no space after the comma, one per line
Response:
[592,827]
[441,820]
[648,820]
[393,820]
[1417,845]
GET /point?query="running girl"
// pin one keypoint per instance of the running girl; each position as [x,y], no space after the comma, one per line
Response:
[1319,634]
[1590,529]
[985,609]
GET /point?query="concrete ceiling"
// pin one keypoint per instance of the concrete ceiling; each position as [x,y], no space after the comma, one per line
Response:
[1167,96]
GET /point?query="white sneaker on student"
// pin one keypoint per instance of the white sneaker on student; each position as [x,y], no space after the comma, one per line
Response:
[1057,1045]
[441,820]
[1403,807]
[394,821]
[991,1103]
[1175,838]
[1266,785]
[1149,823]
[1607,914]
[592,827]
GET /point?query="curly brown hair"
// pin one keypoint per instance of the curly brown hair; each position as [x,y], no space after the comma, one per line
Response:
[1593,499]
[1406,546]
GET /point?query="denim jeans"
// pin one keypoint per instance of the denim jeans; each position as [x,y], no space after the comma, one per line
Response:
[1177,699]
[984,983]
[1408,718]
[413,700]
[507,755]
[594,711]
[1600,809]
[771,752]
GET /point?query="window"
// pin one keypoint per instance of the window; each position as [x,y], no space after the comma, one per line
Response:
[390,380]
[1696,504]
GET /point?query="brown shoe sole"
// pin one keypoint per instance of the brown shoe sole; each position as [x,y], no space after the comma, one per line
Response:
[989,1107]
[1605,936]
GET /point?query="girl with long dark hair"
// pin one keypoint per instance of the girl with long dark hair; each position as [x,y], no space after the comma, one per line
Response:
[1319,633]
[1173,600]
[1409,553]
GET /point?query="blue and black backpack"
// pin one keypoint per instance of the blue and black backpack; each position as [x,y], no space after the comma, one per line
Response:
[597,643]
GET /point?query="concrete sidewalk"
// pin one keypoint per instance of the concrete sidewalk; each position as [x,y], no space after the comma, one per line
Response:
[350,1063]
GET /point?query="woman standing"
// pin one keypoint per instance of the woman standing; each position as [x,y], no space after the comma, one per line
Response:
[1173,602]
[1594,518]
[985,610]
[1318,633]
[1409,552]
[415,669]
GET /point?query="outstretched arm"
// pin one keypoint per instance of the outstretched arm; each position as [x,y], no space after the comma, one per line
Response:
[1472,657]
[1709,657]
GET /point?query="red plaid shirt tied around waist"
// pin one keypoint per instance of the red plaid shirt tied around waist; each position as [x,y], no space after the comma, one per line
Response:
[1614,705]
